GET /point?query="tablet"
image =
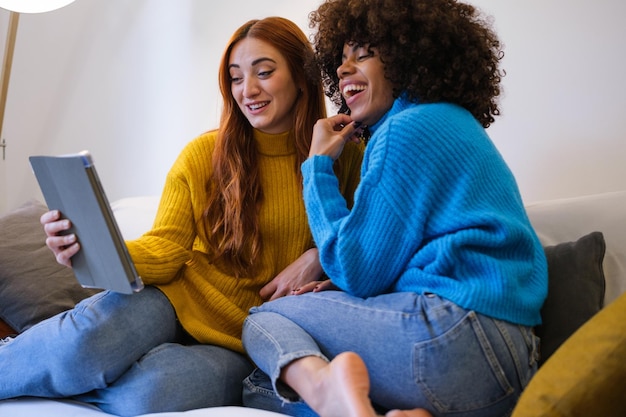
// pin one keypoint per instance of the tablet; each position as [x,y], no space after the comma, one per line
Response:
[70,184]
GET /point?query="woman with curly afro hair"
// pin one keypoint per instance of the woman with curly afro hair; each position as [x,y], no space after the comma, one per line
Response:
[436,276]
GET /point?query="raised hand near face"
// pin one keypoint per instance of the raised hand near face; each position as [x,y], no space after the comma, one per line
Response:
[331,134]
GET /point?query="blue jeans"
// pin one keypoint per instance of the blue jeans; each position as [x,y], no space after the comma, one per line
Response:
[420,350]
[125,353]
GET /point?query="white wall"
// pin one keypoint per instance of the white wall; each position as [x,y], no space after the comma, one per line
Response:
[563,129]
[134,80]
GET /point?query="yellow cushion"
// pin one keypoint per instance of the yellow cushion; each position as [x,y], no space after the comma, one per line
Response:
[586,376]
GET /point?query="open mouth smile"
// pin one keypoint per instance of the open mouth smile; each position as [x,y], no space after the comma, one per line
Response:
[351,90]
[257,106]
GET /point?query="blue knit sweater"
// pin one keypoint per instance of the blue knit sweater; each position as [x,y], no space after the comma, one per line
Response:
[437,210]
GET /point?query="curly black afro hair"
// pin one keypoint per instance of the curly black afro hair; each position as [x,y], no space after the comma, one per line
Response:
[433,50]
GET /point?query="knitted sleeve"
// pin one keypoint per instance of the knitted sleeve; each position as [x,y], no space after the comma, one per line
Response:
[160,253]
[359,247]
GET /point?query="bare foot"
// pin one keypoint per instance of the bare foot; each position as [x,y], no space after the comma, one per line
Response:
[416,412]
[342,388]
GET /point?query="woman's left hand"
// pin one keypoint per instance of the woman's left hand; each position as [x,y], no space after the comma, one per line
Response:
[315,286]
[304,270]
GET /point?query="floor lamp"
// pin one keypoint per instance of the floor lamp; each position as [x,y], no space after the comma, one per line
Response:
[6,72]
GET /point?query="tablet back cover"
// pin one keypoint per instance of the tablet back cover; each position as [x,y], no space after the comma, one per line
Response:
[70,184]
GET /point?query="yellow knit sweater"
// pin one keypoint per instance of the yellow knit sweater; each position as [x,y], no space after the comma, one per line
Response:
[211,304]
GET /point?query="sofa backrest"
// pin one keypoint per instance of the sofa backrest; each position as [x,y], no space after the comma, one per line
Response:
[565,220]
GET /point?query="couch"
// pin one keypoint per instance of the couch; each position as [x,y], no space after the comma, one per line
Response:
[585,243]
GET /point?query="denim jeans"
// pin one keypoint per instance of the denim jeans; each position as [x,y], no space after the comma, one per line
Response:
[420,350]
[127,354]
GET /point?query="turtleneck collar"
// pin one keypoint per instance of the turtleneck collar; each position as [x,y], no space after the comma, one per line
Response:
[275,144]
[398,105]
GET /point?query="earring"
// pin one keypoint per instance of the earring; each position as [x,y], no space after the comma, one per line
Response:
[364,135]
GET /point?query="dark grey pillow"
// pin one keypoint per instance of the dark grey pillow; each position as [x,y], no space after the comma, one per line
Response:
[33,286]
[575,289]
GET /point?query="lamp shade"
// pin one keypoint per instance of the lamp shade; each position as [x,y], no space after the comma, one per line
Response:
[33,6]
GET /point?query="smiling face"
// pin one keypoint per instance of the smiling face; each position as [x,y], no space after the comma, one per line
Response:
[367,92]
[262,85]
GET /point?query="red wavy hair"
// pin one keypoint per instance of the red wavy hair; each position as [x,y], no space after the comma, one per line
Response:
[235,194]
